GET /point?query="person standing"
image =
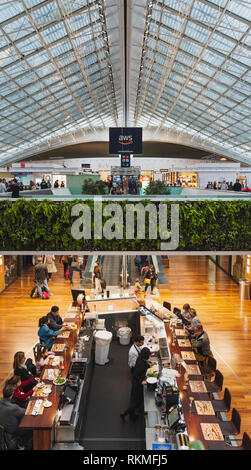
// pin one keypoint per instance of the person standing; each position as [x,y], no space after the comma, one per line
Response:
[2,186]
[14,188]
[41,276]
[138,380]
[134,351]
[97,277]
[64,260]
[237,185]
[150,278]
[49,261]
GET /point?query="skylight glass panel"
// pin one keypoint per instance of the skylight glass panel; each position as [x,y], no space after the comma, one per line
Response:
[54,33]
[10,10]
[232,27]
[46,14]
[18,28]
[199,33]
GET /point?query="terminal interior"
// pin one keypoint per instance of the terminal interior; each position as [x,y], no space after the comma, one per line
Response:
[208,284]
[178,73]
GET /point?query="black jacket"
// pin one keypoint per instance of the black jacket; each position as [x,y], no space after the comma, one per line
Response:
[139,374]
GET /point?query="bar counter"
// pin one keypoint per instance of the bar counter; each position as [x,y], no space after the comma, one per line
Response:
[192,419]
[42,425]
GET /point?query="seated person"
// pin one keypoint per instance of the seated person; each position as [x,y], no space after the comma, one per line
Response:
[19,396]
[55,321]
[200,343]
[194,321]
[46,335]
[42,359]
[10,417]
[21,368]
[186,312]
[137,287]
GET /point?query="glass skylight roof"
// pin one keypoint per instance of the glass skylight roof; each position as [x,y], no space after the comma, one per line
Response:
[61,71]
[203,51]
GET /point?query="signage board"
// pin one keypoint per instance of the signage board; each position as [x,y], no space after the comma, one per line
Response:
[125,161]
[125,140]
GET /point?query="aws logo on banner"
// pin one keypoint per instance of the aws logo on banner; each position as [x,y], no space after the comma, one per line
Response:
[125,140]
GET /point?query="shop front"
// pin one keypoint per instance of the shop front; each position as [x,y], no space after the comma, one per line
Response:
[236,266]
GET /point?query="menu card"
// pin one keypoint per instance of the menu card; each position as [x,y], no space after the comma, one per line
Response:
[35,408]
[64,334]
[193,369]
[204,407]
[197,386]
[185,343]
[58,347]
[188,356]
[50,374]
[180,332]
[211,432]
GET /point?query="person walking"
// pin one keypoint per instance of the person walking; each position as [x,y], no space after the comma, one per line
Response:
[64,260]
[150,278]
[41,277]
[49,261]
[73,263]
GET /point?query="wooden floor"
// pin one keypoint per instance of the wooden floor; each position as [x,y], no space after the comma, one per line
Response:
[193,279]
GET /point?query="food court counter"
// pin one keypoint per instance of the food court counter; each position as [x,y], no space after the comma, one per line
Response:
[178,367]
[39,418]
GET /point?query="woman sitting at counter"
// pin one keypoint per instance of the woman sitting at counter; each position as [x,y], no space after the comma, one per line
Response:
[23,368]
[46,335]
[42,358]
[139,379]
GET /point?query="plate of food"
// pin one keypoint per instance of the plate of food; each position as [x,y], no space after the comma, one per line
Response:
[47,404]
[59,381]
[40,385]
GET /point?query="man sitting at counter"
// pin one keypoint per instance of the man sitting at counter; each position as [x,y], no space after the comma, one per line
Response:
[10,417]
[200,343]
[55,321]
[134,351]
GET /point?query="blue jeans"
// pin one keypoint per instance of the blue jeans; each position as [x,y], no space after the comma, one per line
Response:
[74,269]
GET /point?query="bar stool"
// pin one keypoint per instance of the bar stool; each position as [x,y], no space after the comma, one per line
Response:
[232,427]
[216,385]
[209,368]
[222,406]
[167,305]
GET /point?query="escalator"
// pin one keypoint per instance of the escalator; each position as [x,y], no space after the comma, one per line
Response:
[111,267]
[132,271]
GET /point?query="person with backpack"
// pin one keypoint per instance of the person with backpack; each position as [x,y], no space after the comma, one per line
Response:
[41,277]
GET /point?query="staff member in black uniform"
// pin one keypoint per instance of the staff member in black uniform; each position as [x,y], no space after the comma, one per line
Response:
[134,352]
[139,379]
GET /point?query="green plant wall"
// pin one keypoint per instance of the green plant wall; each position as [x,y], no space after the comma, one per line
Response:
[30,225]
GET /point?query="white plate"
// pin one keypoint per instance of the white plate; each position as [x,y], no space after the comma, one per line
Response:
[55,383]
[47,404]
